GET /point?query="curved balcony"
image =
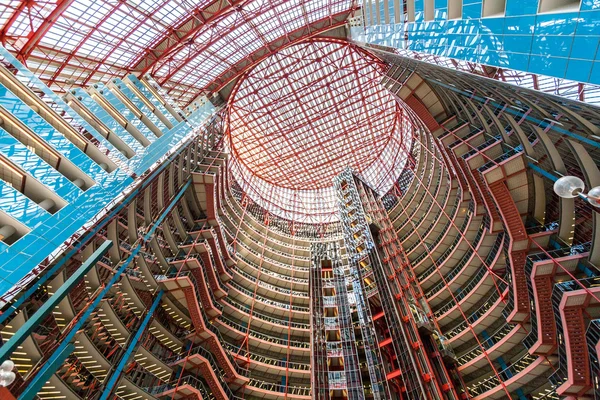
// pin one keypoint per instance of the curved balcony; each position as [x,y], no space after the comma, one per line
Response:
[203,360]
[441,259]
[408,213]
[242,294]
[394,204]
[469,260]
[476,288]
[433,213]
[287,253]
[260,339]
[425,162]
[270,365]
[453,216]
[522,371]
[504,339]
[479,318]
[187,387]
[266,289]
[469,133]
[272,276]
[274,391]
[461,276]
[242,250]
[263,320]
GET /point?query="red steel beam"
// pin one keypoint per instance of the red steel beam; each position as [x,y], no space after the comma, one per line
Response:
[80,44]
[12,19]
[252,59]
[179,36]
[331,22]
[38,34]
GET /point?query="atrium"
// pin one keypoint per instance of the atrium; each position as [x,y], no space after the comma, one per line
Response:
[299,199]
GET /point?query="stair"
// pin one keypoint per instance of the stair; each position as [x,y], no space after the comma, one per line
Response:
[488,200]
[517,250]
[579,381]
[546,324]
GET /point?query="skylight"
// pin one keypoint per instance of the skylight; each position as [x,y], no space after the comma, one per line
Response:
[189,46]
[304,114]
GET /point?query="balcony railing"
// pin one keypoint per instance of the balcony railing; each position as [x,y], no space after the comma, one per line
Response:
[276,387]
[467,257]
[494,338]
[494,381]
[447,226]
[486,305]
[267,271]
[257,314]
[265,300]
[266,360]
[441,259]
[263,336]
[192,381]
[268,286]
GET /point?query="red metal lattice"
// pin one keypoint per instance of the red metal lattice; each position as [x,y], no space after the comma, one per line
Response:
[304,114]
[191,47]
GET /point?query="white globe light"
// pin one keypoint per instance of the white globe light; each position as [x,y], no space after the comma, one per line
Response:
[594,196]
[7,366]
[6,378]
[568,187]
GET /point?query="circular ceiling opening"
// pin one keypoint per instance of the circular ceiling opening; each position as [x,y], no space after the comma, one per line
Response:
[301,116]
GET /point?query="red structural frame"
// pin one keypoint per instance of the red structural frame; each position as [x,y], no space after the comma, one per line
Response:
[191,48]
[301,116]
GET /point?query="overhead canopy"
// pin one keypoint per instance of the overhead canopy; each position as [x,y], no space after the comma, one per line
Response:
[190,47]
[303,115]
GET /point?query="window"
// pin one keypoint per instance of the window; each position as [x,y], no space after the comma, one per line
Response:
[493,8]
[410,10]
[429,10]
[290,135]
[554,6]
[455,9]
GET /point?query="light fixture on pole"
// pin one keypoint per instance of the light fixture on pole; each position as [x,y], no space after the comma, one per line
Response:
[569,187]
[6,375]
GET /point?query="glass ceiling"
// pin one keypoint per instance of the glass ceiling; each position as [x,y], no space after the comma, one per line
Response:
[304,114]
[188,46]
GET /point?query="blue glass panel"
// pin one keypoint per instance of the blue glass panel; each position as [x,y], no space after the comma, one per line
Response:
[125,112]
[150,97]
[37,168]
[48,134]
[140,104]
[523,40]
[30,80]
[21,208]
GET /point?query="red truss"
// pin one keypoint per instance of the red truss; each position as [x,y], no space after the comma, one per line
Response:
[303,115]
[191,47]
